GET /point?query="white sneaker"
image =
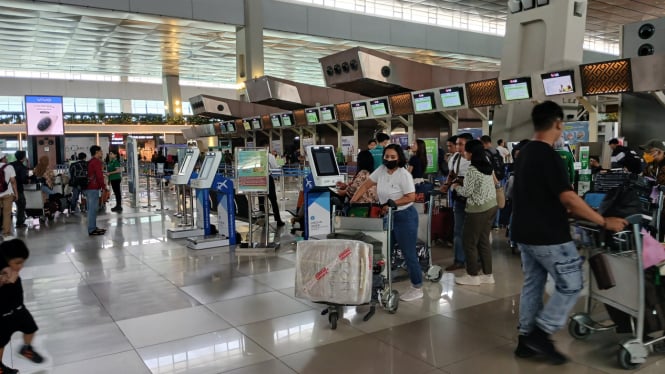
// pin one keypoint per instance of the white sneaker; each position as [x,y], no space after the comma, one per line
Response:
[8,237]
[487,279]
[412,294]
[468,280]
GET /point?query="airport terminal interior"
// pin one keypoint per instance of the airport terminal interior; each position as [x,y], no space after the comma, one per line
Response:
[160,292]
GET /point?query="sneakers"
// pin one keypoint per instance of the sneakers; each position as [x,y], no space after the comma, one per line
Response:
[468,280]
[31,355]
[455,266]
[487,279]
[539,341]
[6,369]
[116,209]
[412,294]
[522,351]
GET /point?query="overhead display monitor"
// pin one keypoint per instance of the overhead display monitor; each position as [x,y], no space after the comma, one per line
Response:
[222,128]
[379,107]
[246,125]
[323,164]
[423,102]
[327,113]
[608,77]
[256,123]
[359,110]
[516,88]
[231,126]
[312,115]
[452,97]
[274,118]
[287,119]
[44,115]
[558,82]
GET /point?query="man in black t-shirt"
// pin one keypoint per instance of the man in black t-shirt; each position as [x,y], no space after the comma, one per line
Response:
[542,200]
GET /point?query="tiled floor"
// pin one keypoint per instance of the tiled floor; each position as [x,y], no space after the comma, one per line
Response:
[132,301]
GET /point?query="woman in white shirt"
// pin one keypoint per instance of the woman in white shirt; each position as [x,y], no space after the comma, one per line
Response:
[480,191]
[394,182]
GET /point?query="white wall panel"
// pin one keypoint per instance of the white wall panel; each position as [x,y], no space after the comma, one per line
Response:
[226,11]
[173,8]
[104,4]
[370,29]
[289,18]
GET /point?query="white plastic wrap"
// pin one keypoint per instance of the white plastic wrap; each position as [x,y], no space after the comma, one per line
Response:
[334,271]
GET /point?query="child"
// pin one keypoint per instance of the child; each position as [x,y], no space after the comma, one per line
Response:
[13,314]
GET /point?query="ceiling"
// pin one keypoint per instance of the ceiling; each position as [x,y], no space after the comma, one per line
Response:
[49,37]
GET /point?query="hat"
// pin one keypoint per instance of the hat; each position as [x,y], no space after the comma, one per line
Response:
[653,143]
[2,155]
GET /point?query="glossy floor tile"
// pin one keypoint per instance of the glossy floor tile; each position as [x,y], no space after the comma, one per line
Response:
[135,301]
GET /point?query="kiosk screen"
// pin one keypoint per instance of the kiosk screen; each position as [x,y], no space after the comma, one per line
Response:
[452,97]
[231,126]
[206,168]
[558,83]
[324,161]
[275,120]
[287,120]
[256,123]
[379,107]
[359,110]
[185,164]
[247,125]
[327,113]
[312,116]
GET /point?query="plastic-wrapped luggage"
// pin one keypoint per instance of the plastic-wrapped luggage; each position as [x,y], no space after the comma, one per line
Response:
[334,271]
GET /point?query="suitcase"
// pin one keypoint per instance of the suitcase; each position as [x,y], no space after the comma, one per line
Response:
[442,223]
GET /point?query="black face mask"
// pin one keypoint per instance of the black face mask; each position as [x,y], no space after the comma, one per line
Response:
[390,164]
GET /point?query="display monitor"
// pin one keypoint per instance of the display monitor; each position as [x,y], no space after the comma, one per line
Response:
[452,96]
[323,164]
[327,113]
[186,163]
[231,126]
[246,125]
[44,115]
[516,88]
[359,110]
[423,102]
[558,82]
[256,123]
[379,107]
[312,116]
[287,119]
[222,128]
[274,118]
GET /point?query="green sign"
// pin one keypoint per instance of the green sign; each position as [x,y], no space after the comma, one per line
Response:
[432,148]
[252,169]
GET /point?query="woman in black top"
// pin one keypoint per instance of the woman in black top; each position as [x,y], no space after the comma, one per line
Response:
[418,162]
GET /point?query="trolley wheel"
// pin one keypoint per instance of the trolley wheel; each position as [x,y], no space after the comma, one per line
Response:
[393,302]
[578,330]
[434,273]
[625,359]
[332,318]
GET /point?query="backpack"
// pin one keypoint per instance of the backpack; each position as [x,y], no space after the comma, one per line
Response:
[633,161]
[496,160]
[3,182]
[78,174]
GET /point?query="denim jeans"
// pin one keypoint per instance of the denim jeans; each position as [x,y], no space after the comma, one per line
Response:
[76,191]
[564,264]
[92,199]
[405,233]
[458,231]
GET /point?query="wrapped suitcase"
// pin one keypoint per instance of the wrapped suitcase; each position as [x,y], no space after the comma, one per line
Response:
[334,271]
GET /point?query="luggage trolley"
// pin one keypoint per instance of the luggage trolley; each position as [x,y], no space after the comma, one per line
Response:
[624,257]
[382,292]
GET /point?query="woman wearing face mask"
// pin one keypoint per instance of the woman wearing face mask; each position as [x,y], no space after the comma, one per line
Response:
[418,161]
[394,182]
[480,190]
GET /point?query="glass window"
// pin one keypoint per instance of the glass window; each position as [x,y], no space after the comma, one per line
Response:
[187,108]
[11,104]
[112,106]
[148,107]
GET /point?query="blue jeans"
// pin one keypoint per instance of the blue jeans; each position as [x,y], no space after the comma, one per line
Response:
[92,199]
[405,233]
[458,230]
[564,264]
[76,191]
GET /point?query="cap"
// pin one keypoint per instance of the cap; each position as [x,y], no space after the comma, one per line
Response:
[2,155]
[653,143]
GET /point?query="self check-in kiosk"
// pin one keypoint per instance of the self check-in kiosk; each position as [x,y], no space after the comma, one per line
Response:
[187,226]
[208,179]
[324,175]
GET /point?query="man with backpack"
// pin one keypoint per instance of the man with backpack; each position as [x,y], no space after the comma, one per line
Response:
[625,158]
[78,179]
[7,195]
[21,170]
[496,159]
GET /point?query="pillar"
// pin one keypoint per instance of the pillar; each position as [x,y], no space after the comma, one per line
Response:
[249,43]
[171,94]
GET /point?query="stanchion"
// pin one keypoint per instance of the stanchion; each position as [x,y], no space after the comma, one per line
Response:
[161,195]
[148,189]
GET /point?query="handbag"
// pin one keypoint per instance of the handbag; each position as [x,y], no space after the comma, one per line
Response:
[602,271]
[500,198]
[365,211]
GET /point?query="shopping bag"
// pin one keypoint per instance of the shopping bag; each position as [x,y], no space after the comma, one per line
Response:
[500,198]
[653,252]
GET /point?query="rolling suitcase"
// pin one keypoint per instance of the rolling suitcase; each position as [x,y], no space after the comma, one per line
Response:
[442,223]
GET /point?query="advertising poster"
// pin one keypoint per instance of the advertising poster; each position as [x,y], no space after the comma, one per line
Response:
[44,115]
[401,139]
[432,148]
[576,132]
[318,213]
[276,145]
[252,169]
[347,146]
[475,132]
